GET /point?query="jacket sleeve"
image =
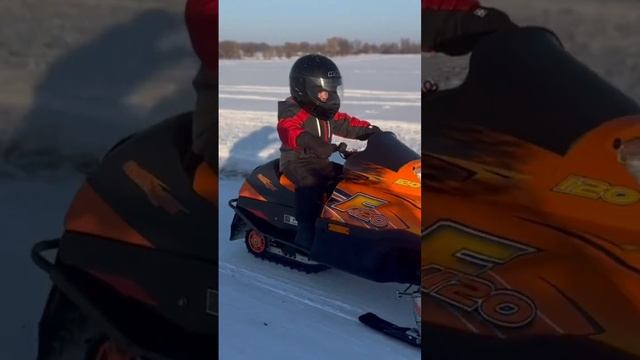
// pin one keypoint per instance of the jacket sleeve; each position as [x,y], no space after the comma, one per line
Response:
[351,127]
[201,17]
[290,128]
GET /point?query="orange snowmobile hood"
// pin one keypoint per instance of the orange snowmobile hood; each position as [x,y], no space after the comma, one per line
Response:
[539,244]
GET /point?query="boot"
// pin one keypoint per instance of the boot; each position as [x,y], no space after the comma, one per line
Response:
[308,207]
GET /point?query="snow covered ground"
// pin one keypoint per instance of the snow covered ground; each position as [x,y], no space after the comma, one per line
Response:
[30,211]
[269,311]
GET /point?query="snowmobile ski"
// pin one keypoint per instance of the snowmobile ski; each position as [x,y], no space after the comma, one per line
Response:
[408,335]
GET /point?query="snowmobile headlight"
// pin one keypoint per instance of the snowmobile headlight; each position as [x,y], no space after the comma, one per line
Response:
[629,155]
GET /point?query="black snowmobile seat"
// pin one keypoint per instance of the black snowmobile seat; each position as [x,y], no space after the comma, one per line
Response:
[268,181]
[276,187]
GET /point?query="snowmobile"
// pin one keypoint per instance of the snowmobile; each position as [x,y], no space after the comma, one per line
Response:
[369,225]
[135,272]
[531,238]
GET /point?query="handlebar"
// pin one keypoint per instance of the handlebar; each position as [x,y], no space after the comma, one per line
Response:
[342,150]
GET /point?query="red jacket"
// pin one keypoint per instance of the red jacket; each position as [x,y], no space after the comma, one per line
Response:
[201,17]
[294,120]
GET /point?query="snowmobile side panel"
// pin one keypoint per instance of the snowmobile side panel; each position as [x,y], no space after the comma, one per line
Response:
[177,287]
[263,226]
[265,179]
[244,219]
[279,216]
[381,256]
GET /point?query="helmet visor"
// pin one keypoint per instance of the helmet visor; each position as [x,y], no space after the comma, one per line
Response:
[317,85]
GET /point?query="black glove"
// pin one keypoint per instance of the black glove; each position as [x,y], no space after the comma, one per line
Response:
[370,130]
[316,146]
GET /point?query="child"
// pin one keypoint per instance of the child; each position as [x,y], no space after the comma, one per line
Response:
[306,122]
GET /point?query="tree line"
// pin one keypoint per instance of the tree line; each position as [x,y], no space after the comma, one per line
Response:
[335,46]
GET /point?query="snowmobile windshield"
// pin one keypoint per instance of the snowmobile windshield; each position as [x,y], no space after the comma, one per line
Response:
[383,149]
[550,100]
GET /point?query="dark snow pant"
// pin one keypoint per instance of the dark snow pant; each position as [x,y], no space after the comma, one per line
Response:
[311,172]
[205,116]
[311,176]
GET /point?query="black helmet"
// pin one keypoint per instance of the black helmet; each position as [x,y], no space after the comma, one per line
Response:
[310,75]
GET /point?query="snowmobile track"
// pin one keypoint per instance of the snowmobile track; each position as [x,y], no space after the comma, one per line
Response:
[290,263]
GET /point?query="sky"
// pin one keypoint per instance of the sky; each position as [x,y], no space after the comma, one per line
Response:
[277,21]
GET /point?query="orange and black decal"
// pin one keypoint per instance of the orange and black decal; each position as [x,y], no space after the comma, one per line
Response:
[266,182]
[338,229]
[250,192]
[157,192]
[90,214]
[458,256]
[363,207]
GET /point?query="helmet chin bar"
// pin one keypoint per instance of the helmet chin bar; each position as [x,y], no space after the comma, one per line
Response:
[325,112]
